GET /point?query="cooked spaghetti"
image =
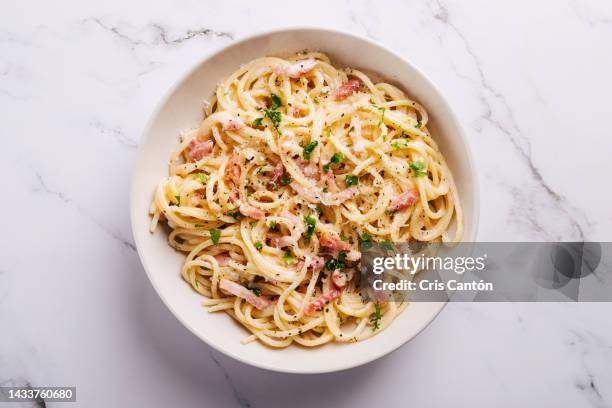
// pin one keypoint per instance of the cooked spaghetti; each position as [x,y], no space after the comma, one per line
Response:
[294,165]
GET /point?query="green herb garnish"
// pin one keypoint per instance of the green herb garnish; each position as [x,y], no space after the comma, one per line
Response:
[285,180]
[256,291]
[397,145]
[337,158]
[199,225]
[419,168]
[253,223]
[203,178]
[275,117]
[382,117]
[365,240]
[309,148]
[387,245]
[258,245]
[326,167]
[288,258]
[258,122]
[178,200]
[235,215]
[375,320]
[276,101]
[418,125]
[344,237]
[215,234]
[339,263]
[273,225]
[351,180]
[311,222]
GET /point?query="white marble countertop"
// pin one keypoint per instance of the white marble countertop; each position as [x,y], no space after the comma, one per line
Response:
[531,81]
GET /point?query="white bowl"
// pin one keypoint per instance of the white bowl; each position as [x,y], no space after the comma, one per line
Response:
[182,108]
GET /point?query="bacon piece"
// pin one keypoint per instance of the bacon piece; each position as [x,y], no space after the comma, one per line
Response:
[259,302]
[233,124]
[321,301]
[309,196]
[338,198]
[404,200]
[296,69]
[339,278]
[233,166]
[296,112]
[333,244]
[229,122]
[277,173]
[222,260]
[347,89]
[355,134]
[199,149]
[330,181]
[317,263]
[250,211]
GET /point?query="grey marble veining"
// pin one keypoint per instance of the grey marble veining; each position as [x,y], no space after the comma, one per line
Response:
[530,82]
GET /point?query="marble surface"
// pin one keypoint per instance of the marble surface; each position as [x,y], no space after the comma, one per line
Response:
[530,81]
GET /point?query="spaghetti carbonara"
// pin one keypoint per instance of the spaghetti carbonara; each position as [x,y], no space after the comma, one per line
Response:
[295,165]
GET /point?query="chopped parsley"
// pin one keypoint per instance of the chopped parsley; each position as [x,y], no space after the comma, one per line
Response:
[256,291]
[418,125]
[276,102]
[319,210]
[215,234]
[178,200]
[387,245]
[419,168]
[344,237]
[376,317]
[199,225]
[203,178]
[309,148]
[337,158]
[285,180]
[253,224]
[397,145]
[382,117]
[311,222]
[351,180]
[365,240]
[288,258]
[258,245]
[235,215]
[275,117]
[339,263]
[351,129]
[273,225]
[316,101]
[258,122]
